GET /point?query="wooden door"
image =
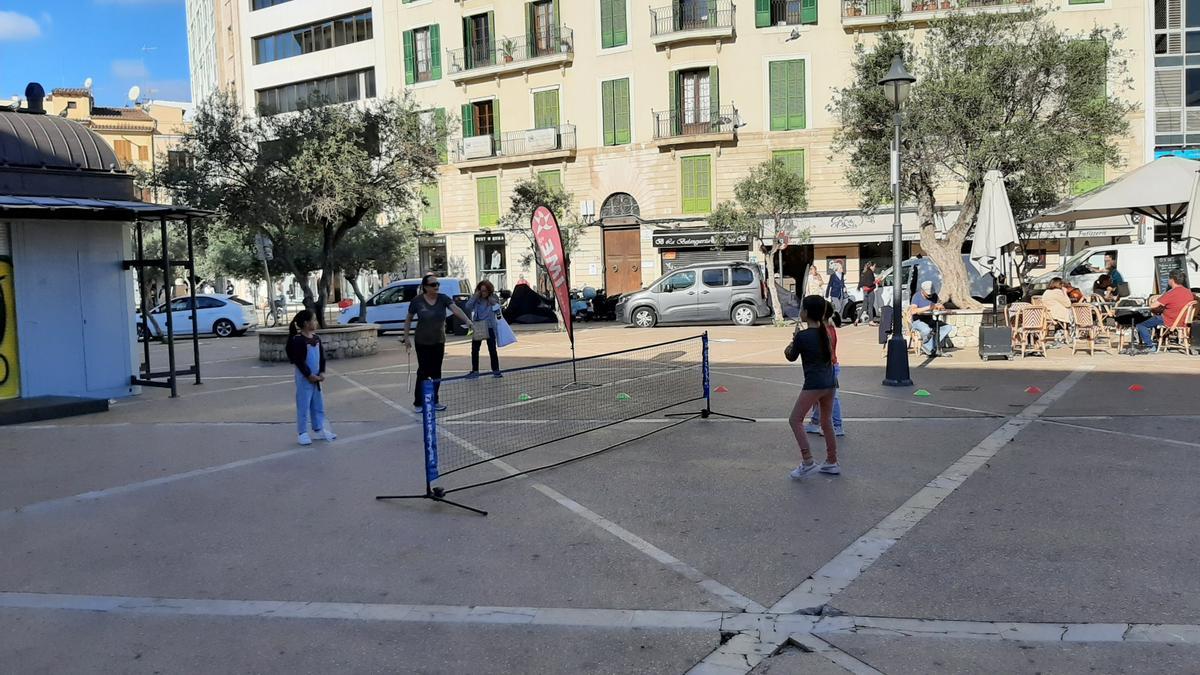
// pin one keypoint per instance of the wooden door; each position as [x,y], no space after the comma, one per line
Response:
[622,261]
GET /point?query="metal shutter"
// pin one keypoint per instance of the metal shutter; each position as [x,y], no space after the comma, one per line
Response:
[696,256]
[5,248]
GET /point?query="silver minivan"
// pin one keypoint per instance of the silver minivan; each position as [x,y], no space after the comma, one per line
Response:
[706,292]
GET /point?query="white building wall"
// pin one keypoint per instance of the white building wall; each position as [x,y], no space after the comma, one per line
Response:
[202,47]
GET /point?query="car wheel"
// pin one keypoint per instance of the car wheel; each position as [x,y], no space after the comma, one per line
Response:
[644,317]
[743,315]
[224,328]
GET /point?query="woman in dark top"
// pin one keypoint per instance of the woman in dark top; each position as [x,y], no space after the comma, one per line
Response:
[866,282]
[815,351]
[305,352]
[430,336]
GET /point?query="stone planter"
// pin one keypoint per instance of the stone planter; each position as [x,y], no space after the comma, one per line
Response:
[967,334]
[340,342]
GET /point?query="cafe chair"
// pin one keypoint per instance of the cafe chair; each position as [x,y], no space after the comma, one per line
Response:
[1087,328]
[1179,334]
[1029,336]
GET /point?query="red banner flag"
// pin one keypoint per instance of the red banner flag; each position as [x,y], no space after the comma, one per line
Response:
[549,244]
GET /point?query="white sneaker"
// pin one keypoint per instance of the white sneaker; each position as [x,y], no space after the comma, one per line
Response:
[800,472]
[813,429]
[838,431]
[832,469]
[304,439]
[328,434]
[418,409]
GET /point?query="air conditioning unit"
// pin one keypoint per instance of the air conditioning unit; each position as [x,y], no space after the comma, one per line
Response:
[541,140]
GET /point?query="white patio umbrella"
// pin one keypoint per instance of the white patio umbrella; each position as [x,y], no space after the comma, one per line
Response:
[995,226]
[1191,226]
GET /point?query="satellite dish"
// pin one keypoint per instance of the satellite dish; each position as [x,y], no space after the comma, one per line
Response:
[134,92]
[87,84]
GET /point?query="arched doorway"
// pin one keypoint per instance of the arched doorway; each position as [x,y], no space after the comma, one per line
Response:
[620,220]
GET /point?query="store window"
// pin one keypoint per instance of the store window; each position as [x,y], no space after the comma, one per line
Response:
[491,254]
[431,254]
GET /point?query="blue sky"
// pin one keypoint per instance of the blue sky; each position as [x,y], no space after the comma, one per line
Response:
[117,43]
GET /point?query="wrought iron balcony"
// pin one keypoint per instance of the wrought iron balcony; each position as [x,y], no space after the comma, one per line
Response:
[691,20]
[695,126]
[516,146]
[553,45]
[877,12]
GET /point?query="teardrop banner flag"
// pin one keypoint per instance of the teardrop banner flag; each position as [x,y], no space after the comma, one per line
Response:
[549,242]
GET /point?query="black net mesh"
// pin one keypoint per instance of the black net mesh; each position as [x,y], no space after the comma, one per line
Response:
[488,418]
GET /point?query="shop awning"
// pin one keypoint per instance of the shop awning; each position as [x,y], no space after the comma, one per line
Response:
[74,208]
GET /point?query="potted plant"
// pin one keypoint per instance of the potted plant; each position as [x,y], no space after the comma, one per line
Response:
[507,49]
[564,45]
[856,8]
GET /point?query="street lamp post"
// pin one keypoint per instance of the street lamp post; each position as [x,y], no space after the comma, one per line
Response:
[895,87]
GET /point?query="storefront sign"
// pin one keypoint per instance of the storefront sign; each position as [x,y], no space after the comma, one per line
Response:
[669,239]
[490,238]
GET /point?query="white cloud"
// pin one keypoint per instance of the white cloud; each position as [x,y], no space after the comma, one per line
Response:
[130,69]
[15,27]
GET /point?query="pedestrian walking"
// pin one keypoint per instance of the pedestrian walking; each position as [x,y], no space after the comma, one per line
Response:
[835,292]
[866,283]
[813,284]
[814,349]
[429,338]
[305,352]
[814,422]
[484,308]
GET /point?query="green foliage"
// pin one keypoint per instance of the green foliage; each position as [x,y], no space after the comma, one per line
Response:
[528,195]
[307,180]
[1008,91]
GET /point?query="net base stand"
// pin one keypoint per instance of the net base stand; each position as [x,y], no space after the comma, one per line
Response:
[705,413]
[437,495]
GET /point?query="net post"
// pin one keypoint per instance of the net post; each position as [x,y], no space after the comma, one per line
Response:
[707,381]
[429,429]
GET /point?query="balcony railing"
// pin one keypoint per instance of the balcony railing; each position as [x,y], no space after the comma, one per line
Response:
[479,54]
[881,9]
[681,124]
[515,144]
[786,13]
[692,16]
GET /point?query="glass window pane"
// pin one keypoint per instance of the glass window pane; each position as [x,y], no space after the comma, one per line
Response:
[1193,13]
[1193,87]
[742,276]
[715,278]
[1193,42]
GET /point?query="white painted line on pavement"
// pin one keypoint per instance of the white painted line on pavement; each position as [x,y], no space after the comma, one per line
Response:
[1128,434]
[1182,634]
[837,574]
[53,504]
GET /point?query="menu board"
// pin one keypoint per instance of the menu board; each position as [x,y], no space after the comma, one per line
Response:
[1164,265]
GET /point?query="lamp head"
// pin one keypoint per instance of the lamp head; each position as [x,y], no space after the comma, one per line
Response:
[897,82]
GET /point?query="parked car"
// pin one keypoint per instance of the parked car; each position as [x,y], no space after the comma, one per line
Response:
[216,313]
[983,286]
[706,292]
[1135,262]
[389,307]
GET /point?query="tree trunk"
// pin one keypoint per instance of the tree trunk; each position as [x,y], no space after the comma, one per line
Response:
[947,253]
[776,308]
[362,300]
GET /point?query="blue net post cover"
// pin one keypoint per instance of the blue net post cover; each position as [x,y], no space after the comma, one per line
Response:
[429,424]
[704,350]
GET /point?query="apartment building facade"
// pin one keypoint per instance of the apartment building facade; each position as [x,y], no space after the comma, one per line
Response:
[647,111]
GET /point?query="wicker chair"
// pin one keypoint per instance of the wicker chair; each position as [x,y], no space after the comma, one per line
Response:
[1029,335]
[1179,334]
[1087,328]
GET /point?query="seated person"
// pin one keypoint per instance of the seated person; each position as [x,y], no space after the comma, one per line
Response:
[1166,309]
[1057,302]
[1105,288]
[923,303]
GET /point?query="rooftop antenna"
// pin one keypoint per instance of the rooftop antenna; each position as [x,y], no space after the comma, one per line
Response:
[134,92]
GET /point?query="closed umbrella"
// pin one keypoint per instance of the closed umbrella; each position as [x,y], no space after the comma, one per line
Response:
[995,227]
[1191,226]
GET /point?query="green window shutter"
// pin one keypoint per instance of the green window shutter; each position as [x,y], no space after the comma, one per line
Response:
[777,83]
[712,12]
[808,11]
[762,13]
[551,179]
[620,24]
[545,109]
[491,44]
[606,24]
[439,122]
[431,217]
[410,58]
[792,159]
[496,124]
[468,120]
[468,40]
[696,188]
[1087,178]
[676,114]
[621,122]
[488,200]
[530,38]
[607,112]
[714,96]
[795,95]
[435,52]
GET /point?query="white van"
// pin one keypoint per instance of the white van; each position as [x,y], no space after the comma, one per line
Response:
[1135,262]
[389,307]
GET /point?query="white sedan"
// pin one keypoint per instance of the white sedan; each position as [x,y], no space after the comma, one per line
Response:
[219,314]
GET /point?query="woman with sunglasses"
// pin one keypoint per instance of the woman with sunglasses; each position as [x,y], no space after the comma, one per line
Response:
[430,336]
